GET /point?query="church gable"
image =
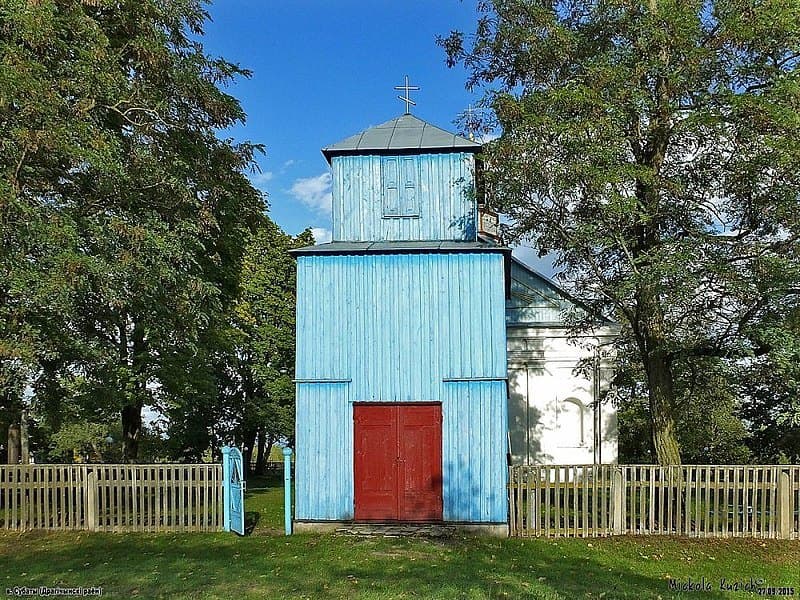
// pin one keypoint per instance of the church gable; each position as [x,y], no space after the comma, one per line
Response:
[534,299]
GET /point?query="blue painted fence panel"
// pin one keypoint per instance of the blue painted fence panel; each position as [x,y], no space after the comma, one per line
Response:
[395,328]
[432,201]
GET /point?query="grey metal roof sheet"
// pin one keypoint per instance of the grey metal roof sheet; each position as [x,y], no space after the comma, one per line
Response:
[405,132]
[398,247]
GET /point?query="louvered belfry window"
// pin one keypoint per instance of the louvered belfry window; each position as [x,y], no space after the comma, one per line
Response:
[399,180]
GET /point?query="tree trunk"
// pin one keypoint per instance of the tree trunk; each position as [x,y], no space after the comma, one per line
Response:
[651,335]
[25,449]
[132,411]
[131,431]
[249,442]
[261,460]
[661,396]
[13,444]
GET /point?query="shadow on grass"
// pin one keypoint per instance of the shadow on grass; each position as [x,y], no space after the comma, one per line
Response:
[223,566]
[263,481]
[251,520]
[507,572]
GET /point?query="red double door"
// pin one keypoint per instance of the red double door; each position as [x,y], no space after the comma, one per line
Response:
[398,462]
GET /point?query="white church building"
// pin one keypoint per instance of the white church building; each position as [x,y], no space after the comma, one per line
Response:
[554,411]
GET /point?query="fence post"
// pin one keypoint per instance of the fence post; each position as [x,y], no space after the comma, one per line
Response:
[617,503]
[784,506]
[13,444]
[287,490]
[226,491]
[91,501]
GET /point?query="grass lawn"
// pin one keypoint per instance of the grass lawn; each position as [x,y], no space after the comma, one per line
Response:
[265,564]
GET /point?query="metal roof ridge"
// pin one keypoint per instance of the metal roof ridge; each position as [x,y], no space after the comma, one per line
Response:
[400,246]
[403,133]
[394,129]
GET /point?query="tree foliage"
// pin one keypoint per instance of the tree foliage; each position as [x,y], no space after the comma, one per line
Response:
[264,321]
[236,387]
[771,384]
[123,213]
[708,426]
[653,146]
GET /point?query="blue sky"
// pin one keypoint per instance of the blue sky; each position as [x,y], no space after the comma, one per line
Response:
[324,70]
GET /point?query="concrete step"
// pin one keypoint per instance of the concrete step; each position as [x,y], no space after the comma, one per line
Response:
[398,530]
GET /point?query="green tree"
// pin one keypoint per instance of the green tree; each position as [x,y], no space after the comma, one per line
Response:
[707,408]
[200,393]
[771,385]
[653,146]
[236,387]
[123,214]
[45,138]
[264,320]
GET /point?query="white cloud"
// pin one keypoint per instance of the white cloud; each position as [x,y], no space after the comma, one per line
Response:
[259,179]
[289,163]
[321,235]
[314,192]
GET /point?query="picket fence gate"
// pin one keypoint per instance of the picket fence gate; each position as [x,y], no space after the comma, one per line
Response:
[760,501]
[106,497]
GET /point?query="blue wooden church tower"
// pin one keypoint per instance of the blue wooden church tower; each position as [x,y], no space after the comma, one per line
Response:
[401,340]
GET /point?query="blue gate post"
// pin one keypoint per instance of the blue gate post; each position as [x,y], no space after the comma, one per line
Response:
[226,492]
[287,490]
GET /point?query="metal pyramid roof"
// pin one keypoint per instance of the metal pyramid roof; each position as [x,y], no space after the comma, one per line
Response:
[405,132]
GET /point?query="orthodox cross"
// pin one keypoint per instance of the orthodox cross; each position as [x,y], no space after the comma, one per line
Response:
[470,121]
[405,98]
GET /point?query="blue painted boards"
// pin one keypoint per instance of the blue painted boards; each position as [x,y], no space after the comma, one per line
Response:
[403,327]
[407,305]
[233,485]
[398,198]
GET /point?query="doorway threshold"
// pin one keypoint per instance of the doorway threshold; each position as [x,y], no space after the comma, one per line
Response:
[394,529]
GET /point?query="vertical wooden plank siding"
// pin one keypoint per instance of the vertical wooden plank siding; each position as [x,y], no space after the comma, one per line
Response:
[147,497]
[216,520]
[158,496]
[116,498]
[181,491]
[180,494]
[458,302]
[546,482]
[445,213]
[73,480]
[205,498]
[472,484]
[553,500]
[762,503]
[324,440]
[794,477]
[5,492]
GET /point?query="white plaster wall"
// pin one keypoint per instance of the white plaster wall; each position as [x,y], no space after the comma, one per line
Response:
[545,393]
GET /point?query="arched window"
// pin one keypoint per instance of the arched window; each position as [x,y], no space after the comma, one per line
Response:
[572,419]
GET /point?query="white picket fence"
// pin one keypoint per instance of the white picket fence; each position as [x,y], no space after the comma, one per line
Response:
[103,497]
[693,500]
